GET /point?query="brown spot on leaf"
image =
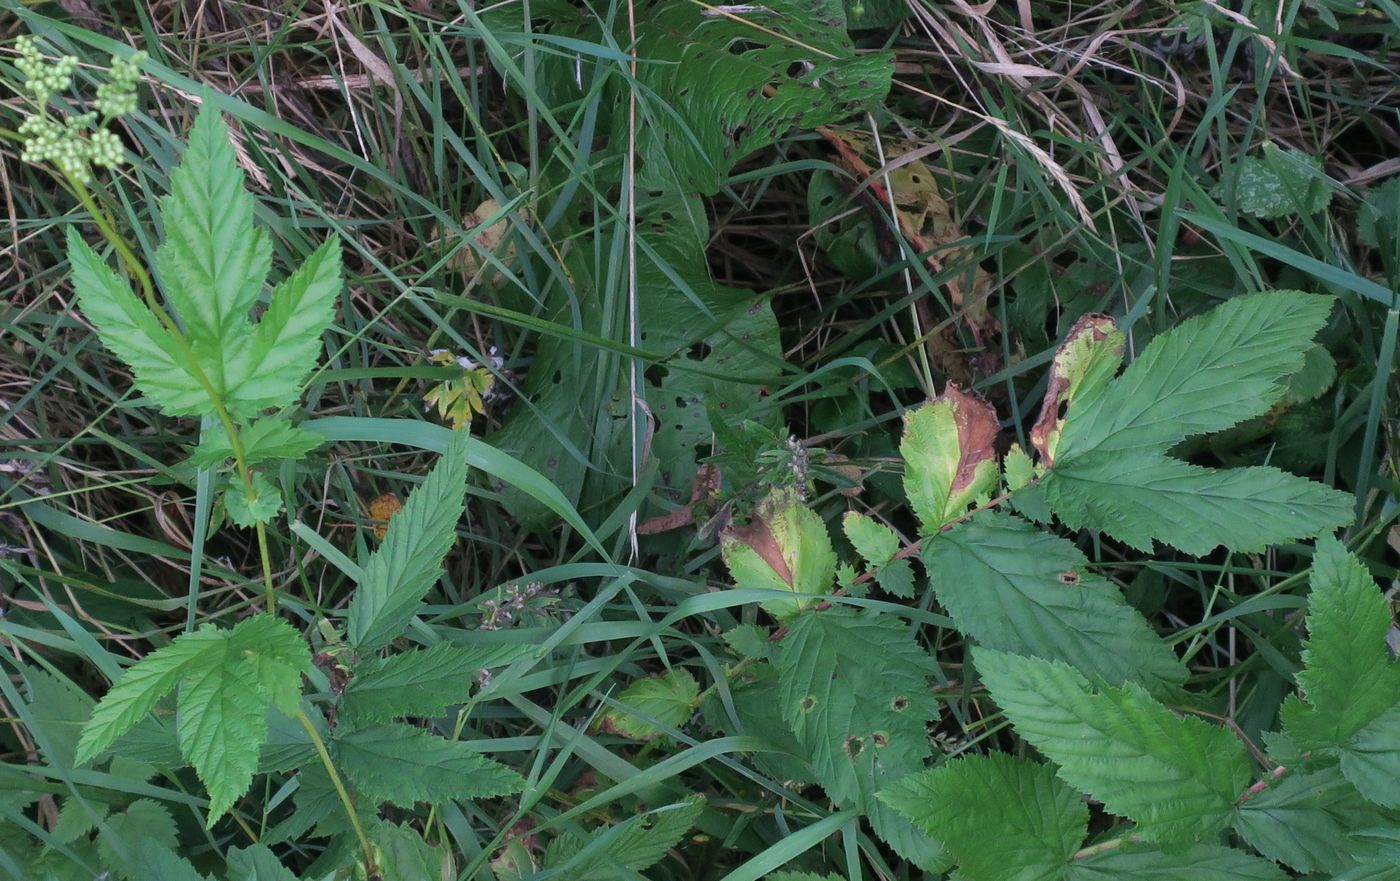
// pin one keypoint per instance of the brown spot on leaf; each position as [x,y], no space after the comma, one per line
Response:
[1071,577]
[977,432]
[758,536]
[1092,327]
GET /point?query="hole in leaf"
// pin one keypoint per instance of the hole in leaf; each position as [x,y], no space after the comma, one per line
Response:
[809,703]
[899,704]
[1070,577]
[854,746]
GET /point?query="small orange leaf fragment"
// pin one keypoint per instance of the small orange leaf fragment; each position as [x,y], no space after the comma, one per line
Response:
[380,510]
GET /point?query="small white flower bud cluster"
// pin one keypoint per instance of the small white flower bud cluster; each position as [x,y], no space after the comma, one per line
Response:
[78,143]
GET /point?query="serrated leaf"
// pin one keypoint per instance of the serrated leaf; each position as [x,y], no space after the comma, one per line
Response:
[141,687]
[757,712]
[405,765]
[873,540]
[1278,183]
[421,682]
[271,437]
[854,693]
[801,876]
[1306,820]
[1017,468]
[948,455]
[749,641]
[59,709]
[1109,742]
[784,547]
[133,334]
[406,855]
[1004,818]
[1084,362]
[248,511]
[155,861]
[228,678]
[256,863]
[632,846]
[1015,588]
[144,821]
[404,567]
[897,578]
[1204,862]
[1207,374]
[669,698]
[1371,761]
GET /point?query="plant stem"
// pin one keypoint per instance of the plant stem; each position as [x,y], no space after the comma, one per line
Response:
[143,278]
[340,790]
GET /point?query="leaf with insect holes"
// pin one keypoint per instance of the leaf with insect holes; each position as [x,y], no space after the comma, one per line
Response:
[1086,360]
[227,680]
[854,692]
[632,846]
[1109,741]
[1352,687]
[404,765]
[785,547]
[1015,588]
[668,698]
[1004,818]
[212,267]
[402,570]
[1111,471]
[949,460]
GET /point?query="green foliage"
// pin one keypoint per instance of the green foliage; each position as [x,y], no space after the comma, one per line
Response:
[854,692]
[785,547]
[1277,183]
[405,765]
[269,438]
[420,682]
[668,699]
[1015,588]
[228,679]
[1197,770]
[948,457]
[632,846]
[1210,372]
[401,571]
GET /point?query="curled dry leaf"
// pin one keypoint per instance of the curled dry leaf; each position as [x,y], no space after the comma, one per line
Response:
[1088,357]
[707,484]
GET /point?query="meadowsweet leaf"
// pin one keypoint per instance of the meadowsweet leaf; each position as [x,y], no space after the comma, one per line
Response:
[948,454]
[271,437]
[854,693]
[260,507]
[1210,372]
[897,578]
[1004,818]
[138,691]
[1015,588]
[154,860]
[749,641]
[271,370]
[634,845]
[131,331]
[1084,363]
[801,876]
[669,698]
[784,547]
[873,540]
[144,820]
[1307,820]
[1352,687]
[59,709]
[406,765]
[256,863]
[1108,742]
[1203,862]
[421,682]
[213,261]
[1278,183]
[404,567]
[1017,468]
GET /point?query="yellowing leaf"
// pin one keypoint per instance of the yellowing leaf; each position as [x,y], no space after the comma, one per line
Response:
[1084,362]
[784,547]
[949,458]
[668,698]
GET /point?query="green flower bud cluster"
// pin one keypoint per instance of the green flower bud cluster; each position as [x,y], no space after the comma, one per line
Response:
[79,142]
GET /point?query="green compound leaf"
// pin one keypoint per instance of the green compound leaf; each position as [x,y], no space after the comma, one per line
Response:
[1084,363]
[785,547]
[212,267]
[1004,818]
[854,692]
[404,567]
[405,765]
[268,438]
[1204,862]
[669,698]
[1352,687]
[1110,742]
[248,511]
[873,540]
[421,682]
[949,460]
[144,820]
[1014,588]
[632,846]
[228,678]
[1207,374]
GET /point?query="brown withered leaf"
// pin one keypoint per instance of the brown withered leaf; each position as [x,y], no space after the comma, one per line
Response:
[1093,347]
[976,420]
[760,538]
[707,484]
[380,510]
